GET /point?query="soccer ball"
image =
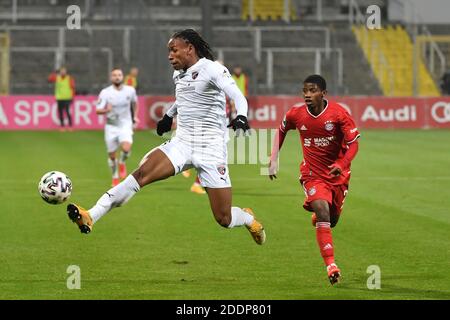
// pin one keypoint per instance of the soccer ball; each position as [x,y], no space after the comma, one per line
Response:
[55,187]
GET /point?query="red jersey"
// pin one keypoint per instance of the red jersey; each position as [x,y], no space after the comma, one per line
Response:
[324,138]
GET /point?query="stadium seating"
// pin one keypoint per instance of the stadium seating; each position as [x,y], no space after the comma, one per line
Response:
[147,49]
[291,68]
[390,53]
[266,10]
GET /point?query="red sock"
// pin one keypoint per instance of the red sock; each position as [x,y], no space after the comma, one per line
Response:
[197,180]
[325,242]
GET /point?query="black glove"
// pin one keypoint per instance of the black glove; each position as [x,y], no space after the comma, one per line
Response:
[164,125]
[240,123]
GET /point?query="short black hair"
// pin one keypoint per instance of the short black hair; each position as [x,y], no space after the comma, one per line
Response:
[193,37]
[318,80]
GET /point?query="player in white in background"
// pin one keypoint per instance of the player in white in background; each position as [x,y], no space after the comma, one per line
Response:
[200,141]
[118,103]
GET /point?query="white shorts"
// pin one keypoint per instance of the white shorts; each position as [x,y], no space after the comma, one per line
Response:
[114,136]
[212,173]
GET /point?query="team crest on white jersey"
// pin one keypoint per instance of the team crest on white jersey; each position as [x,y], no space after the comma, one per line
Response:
[222,170]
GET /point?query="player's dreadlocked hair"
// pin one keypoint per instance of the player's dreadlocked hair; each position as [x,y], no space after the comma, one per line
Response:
[193,37]
[317,79]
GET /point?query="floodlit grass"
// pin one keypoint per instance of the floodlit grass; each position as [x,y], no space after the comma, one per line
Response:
[165,243]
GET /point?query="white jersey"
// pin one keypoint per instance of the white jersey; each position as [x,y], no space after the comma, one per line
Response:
[120,115]
[201,105]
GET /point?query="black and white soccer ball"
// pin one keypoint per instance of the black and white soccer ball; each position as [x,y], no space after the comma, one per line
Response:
[55,187]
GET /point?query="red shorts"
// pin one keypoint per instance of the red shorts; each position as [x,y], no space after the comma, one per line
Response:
[320,190]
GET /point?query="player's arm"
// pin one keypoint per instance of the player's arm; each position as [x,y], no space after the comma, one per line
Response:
[351,136]
[105,110]
[222,78]
[343,162]
[134,108]
[102,106]
[173,110]
[134,112]
[286,125]
[241,108]
[165,124]
[240,103]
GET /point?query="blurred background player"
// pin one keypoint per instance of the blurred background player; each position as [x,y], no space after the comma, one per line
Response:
[241,80]
[64,93]
[329,140]
[197,186]
[131,78]
[117,102]
[200,142]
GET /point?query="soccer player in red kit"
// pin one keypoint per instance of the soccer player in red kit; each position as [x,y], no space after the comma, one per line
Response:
[329,141]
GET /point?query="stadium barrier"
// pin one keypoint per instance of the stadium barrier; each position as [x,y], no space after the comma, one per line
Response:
[40,112]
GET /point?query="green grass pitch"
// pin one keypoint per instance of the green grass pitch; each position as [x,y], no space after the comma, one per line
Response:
[165,244]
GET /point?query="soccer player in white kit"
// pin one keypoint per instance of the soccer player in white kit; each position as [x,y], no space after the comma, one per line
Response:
[200,141]
[118,103]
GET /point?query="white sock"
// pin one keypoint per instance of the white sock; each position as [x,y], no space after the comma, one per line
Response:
[115,197]
[239,217]
[124,156]
[113,164]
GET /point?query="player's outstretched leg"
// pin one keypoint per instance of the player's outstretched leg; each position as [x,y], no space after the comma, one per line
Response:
[124,155]
[325,239]
[155,166]
[230,217]
[81,217]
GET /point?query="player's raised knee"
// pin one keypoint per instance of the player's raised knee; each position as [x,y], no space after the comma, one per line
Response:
[223,220]
[322,211]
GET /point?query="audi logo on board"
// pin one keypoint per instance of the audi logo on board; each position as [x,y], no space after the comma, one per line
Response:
[440,111]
